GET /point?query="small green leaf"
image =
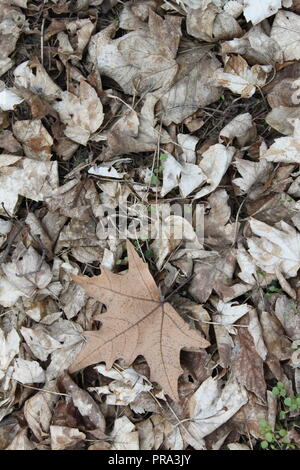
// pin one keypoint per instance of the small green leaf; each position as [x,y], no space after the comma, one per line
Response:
[263,423]
[163,157]
[282,432]
[288,401]
[154,179]
[282,414]
[269,436]
[119,261]
[275,391]
[149,253]
[264,444]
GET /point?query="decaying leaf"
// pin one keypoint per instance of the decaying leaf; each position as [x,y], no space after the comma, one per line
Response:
[192,88]
[285,31]
[214,164]
[82,114]
[278,248]
[186,176]
[25,177]
[210,406]
[211,23]
[35,138]
[155,330]
[286,149]
[257,11]
[240,78]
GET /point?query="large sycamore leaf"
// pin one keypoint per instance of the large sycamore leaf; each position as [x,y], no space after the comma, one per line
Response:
[136,323]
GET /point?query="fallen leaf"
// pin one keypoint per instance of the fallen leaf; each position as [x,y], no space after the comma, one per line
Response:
[229,313]
[124,435]
[21,442]
[211,23]
[210,406]
[256,46]
[282,119]
[218,231]
[277,248]
[83,402]
[257,11]
[9,348]
[285,149]
[147,68]
[241,128]
[186,176]
[63,437]
[214,164]
[155,330]
[8,99]
[36,140]
[27,372]
[287,312]
[25,177]
[38,411]
[286,32]
[192,88]
[254,177]
[33,76]
[124,389]
[240,78]
[248,366]
[82,114]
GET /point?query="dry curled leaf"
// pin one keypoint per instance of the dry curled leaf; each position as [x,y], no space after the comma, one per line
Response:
[137,323]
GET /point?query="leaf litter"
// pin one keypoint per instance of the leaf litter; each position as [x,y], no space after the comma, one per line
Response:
[117,336]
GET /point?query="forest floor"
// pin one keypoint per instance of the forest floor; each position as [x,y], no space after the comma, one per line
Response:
[149,225]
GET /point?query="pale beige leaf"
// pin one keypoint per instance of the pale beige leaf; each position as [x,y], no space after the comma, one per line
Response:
[257,11]
[33,76]
[9,348]
[82,114]
[229,313]
[248,365]
[186,176]
[8,100]
[241,128]
[212,24]
[210,407]
[277,248]
[28,372]
[39,342]
[240,78]
[192,88]
[124,435]
[38,411]
[285,149]
[214,164]
[286,32]
[21,442]
[283,118]
[36,140]
[29,178]
[63,437]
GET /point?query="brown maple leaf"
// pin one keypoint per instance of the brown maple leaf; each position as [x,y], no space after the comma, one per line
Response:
[137,322]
